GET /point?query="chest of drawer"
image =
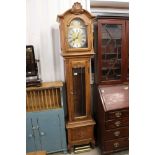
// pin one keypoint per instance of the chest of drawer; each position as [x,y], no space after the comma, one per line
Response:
[116,133]
[116,123]
[117,144]
[117,114]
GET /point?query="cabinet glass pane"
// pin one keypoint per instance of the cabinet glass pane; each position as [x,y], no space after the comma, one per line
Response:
[79,91]
[111,52]
[127,29]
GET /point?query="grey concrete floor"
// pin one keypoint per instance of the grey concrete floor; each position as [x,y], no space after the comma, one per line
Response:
[95,151]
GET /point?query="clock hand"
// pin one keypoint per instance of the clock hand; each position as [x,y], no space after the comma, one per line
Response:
[75,37]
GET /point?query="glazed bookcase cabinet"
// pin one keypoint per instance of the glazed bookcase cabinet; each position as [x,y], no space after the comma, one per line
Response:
[112,50]
[111,83]
[45,125]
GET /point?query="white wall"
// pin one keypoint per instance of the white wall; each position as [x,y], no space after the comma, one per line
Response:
[43,32]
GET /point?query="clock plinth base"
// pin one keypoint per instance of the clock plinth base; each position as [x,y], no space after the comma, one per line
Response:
[79,133]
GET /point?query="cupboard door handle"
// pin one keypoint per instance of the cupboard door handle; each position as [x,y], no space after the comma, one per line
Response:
[118,114]
[117,133]
[35,128]
[118,123]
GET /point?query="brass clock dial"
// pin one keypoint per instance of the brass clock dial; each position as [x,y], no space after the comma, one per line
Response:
[77,34]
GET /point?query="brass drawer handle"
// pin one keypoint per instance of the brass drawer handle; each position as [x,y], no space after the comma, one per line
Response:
[118,114]
[117,133]
[116,145]
[118,123]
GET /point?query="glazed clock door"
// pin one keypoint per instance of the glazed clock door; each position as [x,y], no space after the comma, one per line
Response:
[80,89]
[111,46]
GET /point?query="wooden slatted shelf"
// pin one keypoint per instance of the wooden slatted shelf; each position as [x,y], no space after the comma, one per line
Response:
[48,96]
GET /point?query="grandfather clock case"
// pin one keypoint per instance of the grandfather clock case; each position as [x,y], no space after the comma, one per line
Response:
[76,34]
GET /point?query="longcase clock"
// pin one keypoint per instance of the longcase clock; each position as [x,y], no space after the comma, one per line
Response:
[76,33]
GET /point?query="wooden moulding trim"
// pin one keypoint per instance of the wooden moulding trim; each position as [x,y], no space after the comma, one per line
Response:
[84,141]
[119,149]
[110,7]
[80,124]
[102,99]
[78,54]
[46,85]
[36,153]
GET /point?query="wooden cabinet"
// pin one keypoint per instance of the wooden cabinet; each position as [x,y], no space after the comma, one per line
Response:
[45,131]
[111,72]
[112,50]
[45,124]
[113,118]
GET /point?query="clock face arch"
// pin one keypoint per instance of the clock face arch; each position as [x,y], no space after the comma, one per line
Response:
[77,34]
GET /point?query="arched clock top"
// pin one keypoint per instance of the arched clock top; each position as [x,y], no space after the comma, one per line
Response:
[76,31]
[75,10]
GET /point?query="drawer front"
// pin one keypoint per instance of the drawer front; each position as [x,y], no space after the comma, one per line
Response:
[81,133]
[113,145]
[112,124]
[116,133]
[117,114]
